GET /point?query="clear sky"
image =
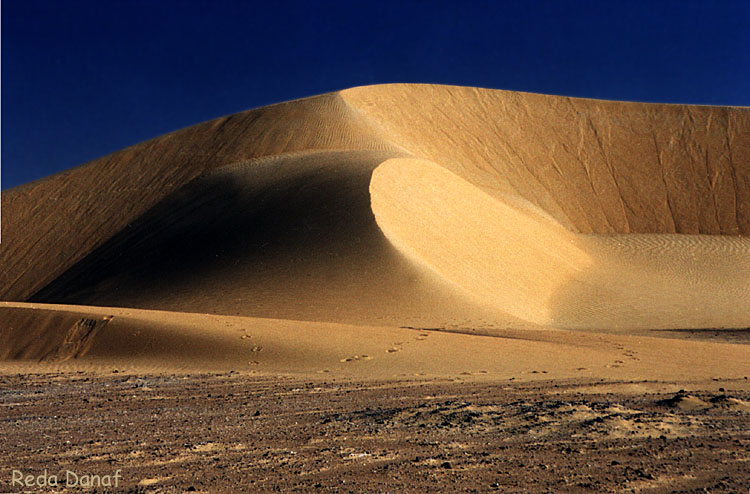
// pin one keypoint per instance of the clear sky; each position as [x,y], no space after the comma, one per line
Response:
[82,78]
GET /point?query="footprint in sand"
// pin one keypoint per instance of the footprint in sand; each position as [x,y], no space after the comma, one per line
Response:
[356,357]
[396,347]
[422,336]
[256,349]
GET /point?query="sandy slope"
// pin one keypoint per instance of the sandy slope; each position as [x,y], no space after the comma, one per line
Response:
[136,340]
[393,206]
[511,255]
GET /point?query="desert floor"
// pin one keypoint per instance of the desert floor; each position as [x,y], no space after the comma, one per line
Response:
[206,403]
[240,432]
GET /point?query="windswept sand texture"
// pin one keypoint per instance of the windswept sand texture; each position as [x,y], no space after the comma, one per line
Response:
[436,288]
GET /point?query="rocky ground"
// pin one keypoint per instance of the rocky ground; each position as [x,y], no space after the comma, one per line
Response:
[246,433]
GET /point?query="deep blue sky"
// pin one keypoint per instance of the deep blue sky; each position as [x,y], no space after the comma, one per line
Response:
[81,79]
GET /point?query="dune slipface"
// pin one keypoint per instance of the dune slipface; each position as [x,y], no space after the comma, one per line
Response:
[405,205]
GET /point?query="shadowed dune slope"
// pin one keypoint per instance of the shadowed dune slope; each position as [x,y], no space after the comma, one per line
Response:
[408,205]
[290,236]
[50,224]
[47,335]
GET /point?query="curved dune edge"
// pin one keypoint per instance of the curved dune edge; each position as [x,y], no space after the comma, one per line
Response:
[508,255]
[135,341]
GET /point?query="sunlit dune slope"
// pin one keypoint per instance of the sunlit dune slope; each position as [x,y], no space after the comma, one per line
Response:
[511,255]
[408,205]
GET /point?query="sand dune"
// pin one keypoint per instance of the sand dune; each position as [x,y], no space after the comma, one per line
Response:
[390,206]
